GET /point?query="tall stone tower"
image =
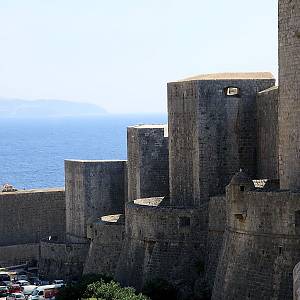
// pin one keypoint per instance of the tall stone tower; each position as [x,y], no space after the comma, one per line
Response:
[289,94]
[212,133]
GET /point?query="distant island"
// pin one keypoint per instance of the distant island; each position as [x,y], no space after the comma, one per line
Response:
[47,108]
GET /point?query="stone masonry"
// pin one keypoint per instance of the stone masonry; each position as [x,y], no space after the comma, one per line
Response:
[148,162]
[289,93]
[212,133]
[93,189]
[213,207]
[267,134]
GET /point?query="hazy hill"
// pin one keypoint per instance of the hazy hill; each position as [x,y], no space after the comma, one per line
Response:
[47,108]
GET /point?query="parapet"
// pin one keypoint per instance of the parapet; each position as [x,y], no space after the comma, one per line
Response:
[232,76]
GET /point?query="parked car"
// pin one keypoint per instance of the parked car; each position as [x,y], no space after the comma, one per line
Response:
[34,280]
[44,292]
[3,291]
[14,296]
[28,289]
[22,282]
[14,288]
[22,276]
[58,281]
[5,278]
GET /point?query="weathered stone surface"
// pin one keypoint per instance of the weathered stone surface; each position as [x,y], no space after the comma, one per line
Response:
[267,134]
[106,235]
[289,94]
[261,244]
[19,254]
[28,216]
[148,161]
[216,228]
[62,260]
[211,135]
[93,189]
[162,242]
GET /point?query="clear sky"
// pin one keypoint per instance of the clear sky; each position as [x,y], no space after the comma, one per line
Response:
[121,53]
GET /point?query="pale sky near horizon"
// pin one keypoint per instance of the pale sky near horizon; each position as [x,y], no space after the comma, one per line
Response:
[121,54]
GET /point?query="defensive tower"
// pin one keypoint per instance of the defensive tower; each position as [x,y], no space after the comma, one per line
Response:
[212,133]
[289,94]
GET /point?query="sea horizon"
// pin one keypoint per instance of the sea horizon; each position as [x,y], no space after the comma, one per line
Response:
[33,150]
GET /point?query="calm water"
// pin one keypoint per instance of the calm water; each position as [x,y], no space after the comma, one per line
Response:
[32,152]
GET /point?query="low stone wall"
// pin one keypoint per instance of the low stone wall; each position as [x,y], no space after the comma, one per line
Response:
[162,242]
[106,237]
[18,254]
[61,260]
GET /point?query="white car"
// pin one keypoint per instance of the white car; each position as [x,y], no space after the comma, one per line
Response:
[28,289]
[22,282]
[14,296]
[44,292]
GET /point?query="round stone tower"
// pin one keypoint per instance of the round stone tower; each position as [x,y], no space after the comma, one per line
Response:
[289,94]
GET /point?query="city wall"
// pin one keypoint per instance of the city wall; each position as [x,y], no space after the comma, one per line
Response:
[93,189]
[18,254]
[28,216]
[62,260]
[162,242]
[259,252]
[106,236]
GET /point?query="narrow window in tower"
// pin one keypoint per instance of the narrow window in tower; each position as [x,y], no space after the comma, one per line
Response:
[232,91]
[242,188]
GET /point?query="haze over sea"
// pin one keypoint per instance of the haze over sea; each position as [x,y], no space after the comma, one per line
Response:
[32,151]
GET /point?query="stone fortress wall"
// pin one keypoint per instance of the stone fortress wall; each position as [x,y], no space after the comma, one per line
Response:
[261,241]
[208,230]
[93,189]
[26,217]
[261,244]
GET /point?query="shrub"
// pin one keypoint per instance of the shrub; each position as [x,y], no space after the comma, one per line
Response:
[111,291]
[76,290]
[99,287]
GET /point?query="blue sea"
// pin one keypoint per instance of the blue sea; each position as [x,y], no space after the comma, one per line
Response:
[32,151]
